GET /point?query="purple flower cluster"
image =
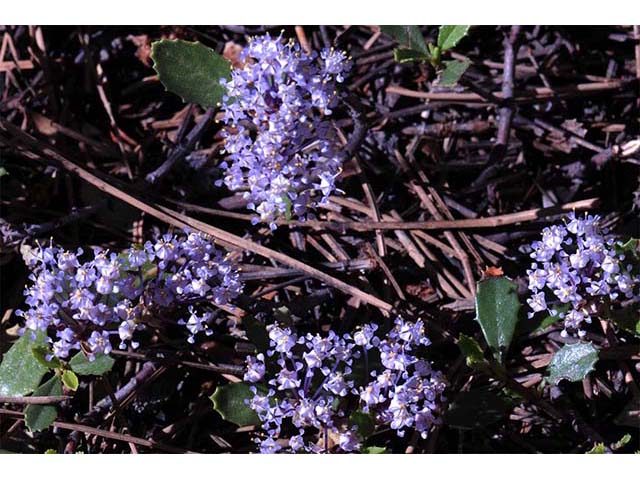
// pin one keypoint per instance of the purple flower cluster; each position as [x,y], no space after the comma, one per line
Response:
[313,384]
[282,150]
[84,304]
[579,265]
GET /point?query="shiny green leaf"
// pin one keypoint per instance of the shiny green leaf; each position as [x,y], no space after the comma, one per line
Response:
[229,402]
[40,417]
[190,70]
[70,380]
[408,36]
[374,450]
[453,70]
[573,362]
[472,351]
[497,307]
[20,372]
[83,366]
[403,55]
[450,35]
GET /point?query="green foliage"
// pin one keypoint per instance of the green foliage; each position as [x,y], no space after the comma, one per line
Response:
[229,402]
[40,417]
[40,353]
[256,333]
[627,319]
[364,421]
[374,450]
[413,48]
[477,408]
[404,55]
[190,70]
[573,362]
[82,366]
[20,371]
[497,307]
[408,36]
[622,442]
[452,71]
[598,448]
[471,349]
[450,35]
[70,380]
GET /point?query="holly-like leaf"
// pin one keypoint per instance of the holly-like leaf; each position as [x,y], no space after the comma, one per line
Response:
[476,409]
[453,70]
[40,417]
[190,70]
[229,402]
[403,55]
[70,380]
[497,308]
[83,366]
[450,35]
[573,362]
[472,351]
[408,36]
[20,372]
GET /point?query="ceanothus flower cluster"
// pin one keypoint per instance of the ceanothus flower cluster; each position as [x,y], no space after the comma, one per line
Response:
[306,387]
[84,304]
[578,264]
[282,150]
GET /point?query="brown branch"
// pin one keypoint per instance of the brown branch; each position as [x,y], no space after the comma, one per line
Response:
[179,220]
[44,400]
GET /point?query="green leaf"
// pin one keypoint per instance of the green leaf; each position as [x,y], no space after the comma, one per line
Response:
[597,448]
[191,70]
[364,421]
[497,308]
[256,332]
[70,380]
[573,362]
[83,366]
[3,172]
[287,206]
[403,55]
[374,450]
[477,409]
[408,36]
[40,417]
[471,349]
[622,442]
[453,70]
[20,372]
[450,35]
[40,353]
[50,451]
[229,402]
[627,318]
